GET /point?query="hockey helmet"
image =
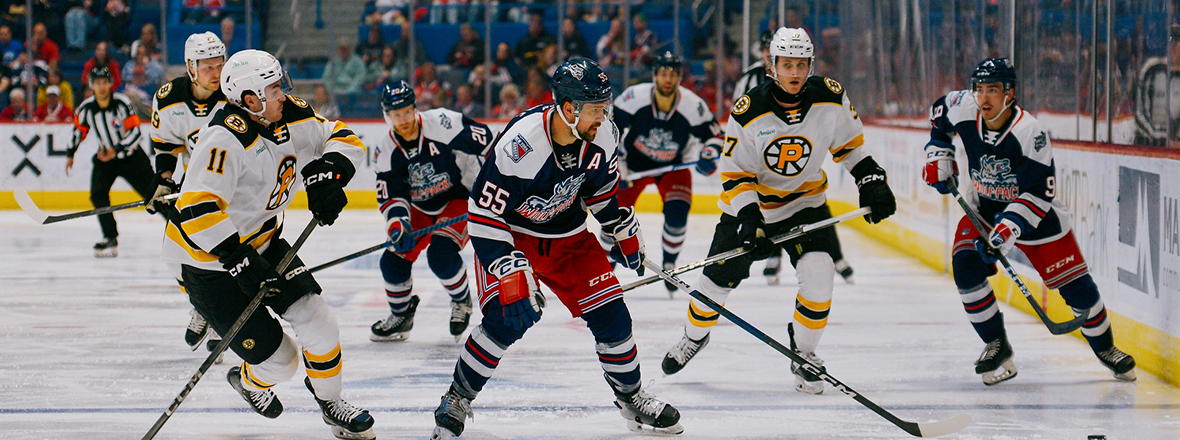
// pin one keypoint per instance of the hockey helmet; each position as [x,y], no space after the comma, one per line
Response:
[251,71]
[97,72]
[580,80]
[791,43]
[397,96]
[993,70]
[764,39]
[666,60]
[199,47]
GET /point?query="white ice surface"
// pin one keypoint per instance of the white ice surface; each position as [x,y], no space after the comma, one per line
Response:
[93,349]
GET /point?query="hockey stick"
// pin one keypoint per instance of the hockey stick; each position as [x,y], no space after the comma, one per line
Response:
[631,178]
[26,204]
[932,429]
[388,243]
[1057,328]
[229,336]
[794,233]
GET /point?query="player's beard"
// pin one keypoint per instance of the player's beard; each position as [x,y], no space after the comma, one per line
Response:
[661,93]
[588,135]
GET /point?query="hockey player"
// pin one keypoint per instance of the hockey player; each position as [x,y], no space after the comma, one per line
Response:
[528,225]
[425,167]
[1013,178]
[226,235]
[179,110]
[658,120]
[776,141]
[754,76]
[115,122]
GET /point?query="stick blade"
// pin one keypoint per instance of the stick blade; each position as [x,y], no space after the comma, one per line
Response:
[944,427]
[26,204]
[1062,328]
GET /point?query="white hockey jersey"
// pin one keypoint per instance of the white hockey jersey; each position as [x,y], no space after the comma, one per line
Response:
[244,175]
[177,118]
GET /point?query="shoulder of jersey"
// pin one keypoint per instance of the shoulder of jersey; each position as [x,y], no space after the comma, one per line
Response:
[692,107]
[441,124]
[753,104]
[524,146]
[822,89]
[234,121]
[634,98]
[172,92]
[1030,132]
[296,109]
[86,103]
[960,106]
[118,96]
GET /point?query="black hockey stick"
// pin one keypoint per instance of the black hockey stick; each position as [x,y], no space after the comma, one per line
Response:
[30,208]
[229,336]
[932,429]
[1057,328]
[794,233]
[387,243]
[631,178]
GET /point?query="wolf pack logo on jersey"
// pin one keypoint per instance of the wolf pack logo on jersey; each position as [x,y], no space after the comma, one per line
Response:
[787,155]
[424,183]
[444,121]
[286,179]
[540,210]
[1040,141]
[994,179]
[519,148]
[658,145]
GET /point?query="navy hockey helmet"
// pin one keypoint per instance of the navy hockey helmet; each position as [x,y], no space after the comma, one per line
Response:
[397,96]
[993,70]
[580,80]
[666,60]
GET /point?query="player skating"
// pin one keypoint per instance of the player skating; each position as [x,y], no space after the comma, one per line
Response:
[658,120]
[776,141]
[1013,177]
[528,225]
[426,164]
[180,109]
[246,170]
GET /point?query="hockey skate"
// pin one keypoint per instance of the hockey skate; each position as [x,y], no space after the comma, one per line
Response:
[264,402]
[683,352]
[647,414]
[774,264]
[670,266]
[450,416]
[845,271]
[395,328]
[995,363]
[107,248]
[460,317]
[807,378]
[1122,364]
[347,421]
[197,329]
[211,345]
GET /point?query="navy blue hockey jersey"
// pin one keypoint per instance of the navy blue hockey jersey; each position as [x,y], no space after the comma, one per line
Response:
[653,139]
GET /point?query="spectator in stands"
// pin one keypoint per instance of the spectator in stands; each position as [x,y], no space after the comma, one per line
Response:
[370,49]
[13,13]
[428,85]
[9,46]
[644,42]
[149,40]
[20,75]
[510,103]
[706,88]
[64,90]
[6,75]
[575,43]
[102,57]
[468,52]
[506,63]
[54,110]
[537,90]
[80,20]
[17,109]
[465,102]
[401,48]
[478,80]
[610,48]
[386,70]
[44,48]
[227,34]
[116,17]
[528,49]
[551,60]
[384,12]
[345,72]
[151,70]
[324,104]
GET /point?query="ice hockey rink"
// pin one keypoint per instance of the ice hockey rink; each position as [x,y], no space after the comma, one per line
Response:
[93,349]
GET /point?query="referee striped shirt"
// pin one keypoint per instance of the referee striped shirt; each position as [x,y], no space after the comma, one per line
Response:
[117,125]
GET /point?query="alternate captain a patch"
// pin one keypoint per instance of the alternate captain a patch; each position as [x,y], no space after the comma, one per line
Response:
[519,148]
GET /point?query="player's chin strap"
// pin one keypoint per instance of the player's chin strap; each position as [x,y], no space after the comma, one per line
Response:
[577,116]
[258,115]
[1007,105]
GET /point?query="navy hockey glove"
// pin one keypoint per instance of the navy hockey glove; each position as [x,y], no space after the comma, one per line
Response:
[707,160]
[250,270]
[519,292]
[940,166]
[874,190]
[401,234]
[628,249]
[164,186]
[1002,237]
[325,179]
[752,231]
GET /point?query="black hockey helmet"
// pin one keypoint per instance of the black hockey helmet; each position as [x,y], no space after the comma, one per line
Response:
[580,80]
[397,96]
[99,72]
[993,70]
[764,39]
[666,60]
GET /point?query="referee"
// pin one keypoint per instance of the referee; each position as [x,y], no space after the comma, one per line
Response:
[115,122]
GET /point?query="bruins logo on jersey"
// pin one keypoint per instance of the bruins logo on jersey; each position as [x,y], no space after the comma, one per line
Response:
[297,101]
[741,105]
[236,123]
[248,344]
[286,180]
[787,155]
[164,90]
[834,86]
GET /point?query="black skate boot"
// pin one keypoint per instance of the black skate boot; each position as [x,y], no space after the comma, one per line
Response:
[197,329]
[647,414]
[395,328]
[774,264]
[681,353]
[265,402]
[450,416]
[670,266]
[995,363]
[807,378]
[460,317]
[211,345]
[107,248]
[845,271]
[1122,364]
[347,421]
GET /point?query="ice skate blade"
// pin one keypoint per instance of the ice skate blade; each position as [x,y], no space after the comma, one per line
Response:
[640,428]
[1126,377]
[849,280]
[198,344]
[805,387]
[106,254]
[1006,371]
[441,433]
[349,435]
[396,337]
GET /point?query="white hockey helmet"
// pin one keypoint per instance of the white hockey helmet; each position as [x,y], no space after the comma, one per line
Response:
[792,43]
[251,71]
[199,47]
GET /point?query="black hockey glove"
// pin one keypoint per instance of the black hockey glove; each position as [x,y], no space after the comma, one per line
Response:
[752,230]
[250,270]
[874,190]
[164,186]
[325,179]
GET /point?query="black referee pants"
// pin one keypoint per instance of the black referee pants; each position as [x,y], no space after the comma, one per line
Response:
[136,169]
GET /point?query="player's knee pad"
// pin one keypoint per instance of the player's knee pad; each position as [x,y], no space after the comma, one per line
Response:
[395,269]
[315,324]
[969,269]
[443,257]
[1081,294]
[609,323]
[279,367]
[815,271]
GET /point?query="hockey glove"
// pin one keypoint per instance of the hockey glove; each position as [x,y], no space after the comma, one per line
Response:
[940,166]
[874,190]
[250,270]
[325,179]
[401,234]
[628,249]
[164,187]
[707,161]
[752,231]
[519,292]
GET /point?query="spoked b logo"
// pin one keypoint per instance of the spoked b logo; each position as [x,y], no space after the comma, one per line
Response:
[787,155]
